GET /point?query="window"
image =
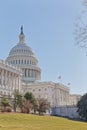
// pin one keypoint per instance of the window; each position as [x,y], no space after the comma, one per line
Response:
[28,62]
[45,89]
[25,61]
[19,61]
[25,72]
[22,61]
[39,89]
[16,61]
[13,61]
[33,90]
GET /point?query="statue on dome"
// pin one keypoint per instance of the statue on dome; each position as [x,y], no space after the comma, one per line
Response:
[21,29]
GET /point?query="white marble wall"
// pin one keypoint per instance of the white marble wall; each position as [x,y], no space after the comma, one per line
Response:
[10,79]
[73,99]
[56,94]
[67,111]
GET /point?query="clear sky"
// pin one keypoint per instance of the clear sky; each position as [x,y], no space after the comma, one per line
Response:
[49,29]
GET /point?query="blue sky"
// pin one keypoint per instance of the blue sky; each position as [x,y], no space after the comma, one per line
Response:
[49,29]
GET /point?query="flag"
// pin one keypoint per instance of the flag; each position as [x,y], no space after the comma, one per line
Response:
[68,83]
[59,77]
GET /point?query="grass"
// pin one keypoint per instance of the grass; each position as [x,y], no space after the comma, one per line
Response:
[34,122]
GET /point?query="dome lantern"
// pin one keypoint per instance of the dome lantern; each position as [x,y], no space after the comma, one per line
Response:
[21,37]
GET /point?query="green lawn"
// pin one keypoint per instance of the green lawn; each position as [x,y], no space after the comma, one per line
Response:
[34,122]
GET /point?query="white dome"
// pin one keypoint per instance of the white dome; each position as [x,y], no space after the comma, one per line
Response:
[21,49]
[23,57]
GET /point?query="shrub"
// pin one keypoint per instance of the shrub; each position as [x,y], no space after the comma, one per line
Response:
[8,109]
[2,110]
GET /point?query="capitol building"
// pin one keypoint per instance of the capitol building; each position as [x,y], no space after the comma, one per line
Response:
[20,71]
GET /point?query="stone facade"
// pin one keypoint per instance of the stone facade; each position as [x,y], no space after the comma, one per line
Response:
[65,111]
[10,79]
[22,56]
[73,99]
[57,94]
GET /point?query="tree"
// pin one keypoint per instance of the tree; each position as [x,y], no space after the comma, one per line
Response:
[82,107]
[29,96]
[27,106]
[81,27]
[35,105]
[30,102]
[5,102]
[43,106]
[18,99]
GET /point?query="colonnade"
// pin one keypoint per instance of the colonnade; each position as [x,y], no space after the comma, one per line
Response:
[31,73]
[10,80]
[61,97]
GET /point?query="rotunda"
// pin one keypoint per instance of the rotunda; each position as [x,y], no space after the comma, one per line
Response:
[23,57]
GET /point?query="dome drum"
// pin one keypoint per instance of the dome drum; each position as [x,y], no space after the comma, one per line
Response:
[21,61]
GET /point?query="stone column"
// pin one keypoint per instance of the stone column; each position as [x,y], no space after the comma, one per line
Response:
[0,76]
[27,73]
[18,81]
[23,71]
[6,75]
[30,73]
[15,80]
[34,73]
[11,85]
[7,79]
[12,81]
[4,78]
[2,72]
